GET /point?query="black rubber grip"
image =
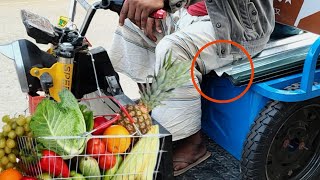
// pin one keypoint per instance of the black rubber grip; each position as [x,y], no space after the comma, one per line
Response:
[105,2]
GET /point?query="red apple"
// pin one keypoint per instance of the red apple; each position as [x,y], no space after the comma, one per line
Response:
[97,122]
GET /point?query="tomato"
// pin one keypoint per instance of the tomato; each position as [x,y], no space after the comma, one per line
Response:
[97,122]
[107,161]
[51,163]
[95,147]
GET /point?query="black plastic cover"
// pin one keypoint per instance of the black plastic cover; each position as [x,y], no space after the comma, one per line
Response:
[84,81]
[32,56]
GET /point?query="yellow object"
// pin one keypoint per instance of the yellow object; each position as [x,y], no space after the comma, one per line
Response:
[10,174]
[61,74]
[117,145]
[142,160]
[50,50]
[63,21]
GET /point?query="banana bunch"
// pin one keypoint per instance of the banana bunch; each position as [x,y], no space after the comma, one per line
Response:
[141,162]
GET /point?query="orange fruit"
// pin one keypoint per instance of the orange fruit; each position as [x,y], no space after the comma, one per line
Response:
[10,174]
[115,144]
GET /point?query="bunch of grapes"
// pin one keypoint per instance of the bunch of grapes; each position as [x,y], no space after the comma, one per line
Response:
[13,128]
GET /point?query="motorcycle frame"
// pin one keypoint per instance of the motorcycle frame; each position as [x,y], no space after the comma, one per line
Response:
[90,9]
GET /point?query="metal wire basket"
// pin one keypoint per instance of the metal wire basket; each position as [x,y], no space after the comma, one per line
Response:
[139,157]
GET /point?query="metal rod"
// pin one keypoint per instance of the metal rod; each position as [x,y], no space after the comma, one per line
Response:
[309,67]
[84,4]
[95,73]
[90,13]
[72,11]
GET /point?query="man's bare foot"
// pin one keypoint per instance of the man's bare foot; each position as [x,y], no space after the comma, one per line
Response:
[188,151]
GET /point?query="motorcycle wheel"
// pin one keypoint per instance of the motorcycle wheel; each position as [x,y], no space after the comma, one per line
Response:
[284,143]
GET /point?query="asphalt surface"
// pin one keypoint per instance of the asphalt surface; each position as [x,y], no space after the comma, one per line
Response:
[220,166]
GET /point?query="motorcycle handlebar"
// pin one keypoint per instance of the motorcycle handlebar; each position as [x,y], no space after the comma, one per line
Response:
[105,2]
[159,14]
[113,5]
[84,4]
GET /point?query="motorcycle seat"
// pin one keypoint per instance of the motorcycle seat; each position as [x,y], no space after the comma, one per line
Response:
[280,58]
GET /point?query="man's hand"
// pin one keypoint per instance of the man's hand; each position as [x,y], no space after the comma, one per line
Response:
[152,25]
[138,11]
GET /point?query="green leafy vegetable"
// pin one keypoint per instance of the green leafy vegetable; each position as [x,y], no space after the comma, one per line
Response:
[53,120]
[88,117]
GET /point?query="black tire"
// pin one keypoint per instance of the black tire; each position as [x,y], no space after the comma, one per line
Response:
[265,136]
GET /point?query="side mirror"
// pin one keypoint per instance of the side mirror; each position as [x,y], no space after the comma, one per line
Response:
[39,28]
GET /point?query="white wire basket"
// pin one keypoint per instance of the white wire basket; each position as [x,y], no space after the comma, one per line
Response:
[133,156]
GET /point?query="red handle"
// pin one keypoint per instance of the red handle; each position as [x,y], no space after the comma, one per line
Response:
[108,123]
[159,14]
[117,102]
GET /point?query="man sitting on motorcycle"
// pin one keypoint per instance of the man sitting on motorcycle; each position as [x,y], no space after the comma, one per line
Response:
[141,43]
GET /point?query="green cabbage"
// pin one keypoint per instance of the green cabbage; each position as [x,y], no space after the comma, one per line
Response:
[55,122]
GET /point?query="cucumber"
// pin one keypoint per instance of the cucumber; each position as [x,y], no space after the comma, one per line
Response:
[108,175]
[90,167]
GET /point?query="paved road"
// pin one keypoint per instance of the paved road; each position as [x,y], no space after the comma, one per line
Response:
[12,100]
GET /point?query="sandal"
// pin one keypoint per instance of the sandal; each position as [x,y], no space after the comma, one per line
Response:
[191,164]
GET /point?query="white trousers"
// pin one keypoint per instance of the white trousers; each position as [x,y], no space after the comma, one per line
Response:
[134,54]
